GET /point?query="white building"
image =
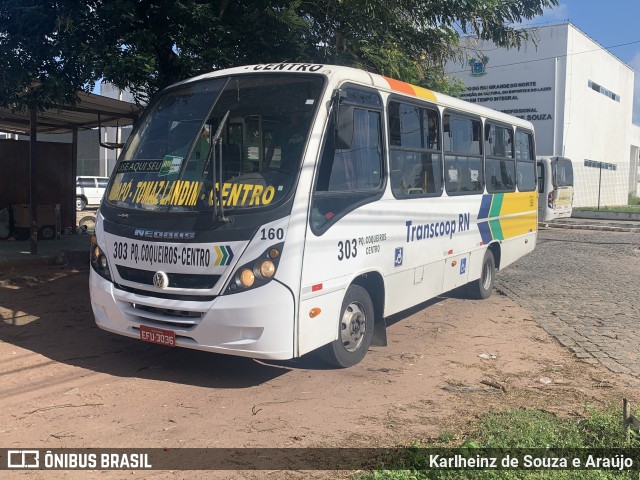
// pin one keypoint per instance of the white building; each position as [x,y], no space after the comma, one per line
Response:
[578,96]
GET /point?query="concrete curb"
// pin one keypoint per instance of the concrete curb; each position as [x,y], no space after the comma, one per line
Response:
[600,215]
[591,226]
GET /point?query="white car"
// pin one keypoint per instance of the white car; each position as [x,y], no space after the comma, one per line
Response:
[89,191]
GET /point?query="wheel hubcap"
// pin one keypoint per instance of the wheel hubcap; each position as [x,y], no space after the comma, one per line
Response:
[353,327]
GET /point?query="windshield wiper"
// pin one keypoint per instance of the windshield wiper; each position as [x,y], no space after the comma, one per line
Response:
[216,140]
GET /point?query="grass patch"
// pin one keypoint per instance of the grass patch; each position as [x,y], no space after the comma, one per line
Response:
[617,208]
[524,428]
[633,206]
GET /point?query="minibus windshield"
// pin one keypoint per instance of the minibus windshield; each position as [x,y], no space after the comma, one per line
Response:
[562,173]
[235,140]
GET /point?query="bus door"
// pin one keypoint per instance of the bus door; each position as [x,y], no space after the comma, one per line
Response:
[348,180]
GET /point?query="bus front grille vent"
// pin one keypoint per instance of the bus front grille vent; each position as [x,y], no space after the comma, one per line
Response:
[167,317]
[176,280]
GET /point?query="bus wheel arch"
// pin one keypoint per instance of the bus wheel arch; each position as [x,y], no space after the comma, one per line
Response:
[482,288]
[495,250]
[361,308]
[374,284]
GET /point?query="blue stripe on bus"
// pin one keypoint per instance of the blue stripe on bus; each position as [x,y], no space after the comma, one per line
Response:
[485,206]
[485,232]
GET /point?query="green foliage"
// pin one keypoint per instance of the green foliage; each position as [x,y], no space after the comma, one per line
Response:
[63,46]
[47,51]
[525,428]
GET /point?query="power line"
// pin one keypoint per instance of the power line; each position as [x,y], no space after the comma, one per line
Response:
[550,58]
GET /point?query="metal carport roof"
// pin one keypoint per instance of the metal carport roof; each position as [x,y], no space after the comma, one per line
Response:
[90,111]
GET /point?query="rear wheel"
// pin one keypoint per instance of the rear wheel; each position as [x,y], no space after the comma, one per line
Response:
[355,329]
[80,204]
[482,287]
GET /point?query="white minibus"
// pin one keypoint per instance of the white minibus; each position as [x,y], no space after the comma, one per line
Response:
[555,185]
[271,210]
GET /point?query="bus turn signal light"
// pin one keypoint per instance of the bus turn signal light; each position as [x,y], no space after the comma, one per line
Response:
[314,312]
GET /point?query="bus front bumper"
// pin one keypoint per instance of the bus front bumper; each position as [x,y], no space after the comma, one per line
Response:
[257,323]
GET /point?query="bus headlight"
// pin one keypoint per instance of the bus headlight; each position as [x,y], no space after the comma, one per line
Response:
[265,268]
[246,278]
[257,272]
[99,260]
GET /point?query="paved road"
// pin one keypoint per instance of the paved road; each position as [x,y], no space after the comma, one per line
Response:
[584,288]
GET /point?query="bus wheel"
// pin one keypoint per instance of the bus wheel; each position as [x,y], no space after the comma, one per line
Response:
[80,204]
[356,329]
[482,287]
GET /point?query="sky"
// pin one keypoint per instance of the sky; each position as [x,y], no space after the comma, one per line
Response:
[613,24]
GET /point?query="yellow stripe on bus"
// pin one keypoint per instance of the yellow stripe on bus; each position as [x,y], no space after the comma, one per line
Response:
[518,224]
[424,93]
[518,202]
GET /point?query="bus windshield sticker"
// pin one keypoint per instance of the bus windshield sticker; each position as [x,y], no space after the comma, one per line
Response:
[140,166]
[170,164]
[190,193]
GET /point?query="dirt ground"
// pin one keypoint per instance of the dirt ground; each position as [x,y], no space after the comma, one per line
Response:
[65,383]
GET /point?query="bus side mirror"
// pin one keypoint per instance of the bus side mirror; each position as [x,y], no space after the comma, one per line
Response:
[344,127]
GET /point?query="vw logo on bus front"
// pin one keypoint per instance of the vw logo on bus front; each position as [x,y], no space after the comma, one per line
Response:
[160,280]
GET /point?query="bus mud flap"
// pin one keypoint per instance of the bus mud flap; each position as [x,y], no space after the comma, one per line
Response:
[379,338]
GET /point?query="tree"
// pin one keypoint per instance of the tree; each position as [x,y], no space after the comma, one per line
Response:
[154,43]
[52,48]
[46,51]
[412,39]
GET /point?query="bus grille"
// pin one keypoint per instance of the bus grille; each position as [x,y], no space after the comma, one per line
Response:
[176,280]
[163,317]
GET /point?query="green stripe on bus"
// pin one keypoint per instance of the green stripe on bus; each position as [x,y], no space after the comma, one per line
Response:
[496,230]
[496,205]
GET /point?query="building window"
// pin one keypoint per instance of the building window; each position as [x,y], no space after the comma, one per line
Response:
[604,91]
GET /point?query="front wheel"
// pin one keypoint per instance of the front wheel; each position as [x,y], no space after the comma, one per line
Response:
[355,329]
[481,288]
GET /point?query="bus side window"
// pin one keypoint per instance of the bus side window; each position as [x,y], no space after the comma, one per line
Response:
[348,178]
[463,155]
[414,143]
[525,162]
[540,178]
[499,163]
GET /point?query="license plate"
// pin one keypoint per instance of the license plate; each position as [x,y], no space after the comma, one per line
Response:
[157,335]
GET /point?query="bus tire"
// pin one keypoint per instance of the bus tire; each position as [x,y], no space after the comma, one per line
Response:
[355,329]
[81,204]
[482,288]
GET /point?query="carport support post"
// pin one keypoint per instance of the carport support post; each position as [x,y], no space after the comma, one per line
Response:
[74,173]
[33,180]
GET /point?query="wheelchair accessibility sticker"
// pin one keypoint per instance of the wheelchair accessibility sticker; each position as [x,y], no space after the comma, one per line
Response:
[397,262]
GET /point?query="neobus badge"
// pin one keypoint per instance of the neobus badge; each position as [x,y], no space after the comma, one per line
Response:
[165,235]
